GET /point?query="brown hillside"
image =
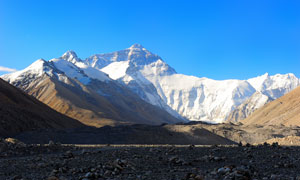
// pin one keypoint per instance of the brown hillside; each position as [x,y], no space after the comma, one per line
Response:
[284,110]
[117,105]
[20,112]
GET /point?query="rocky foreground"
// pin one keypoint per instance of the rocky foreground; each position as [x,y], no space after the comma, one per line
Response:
[54,161]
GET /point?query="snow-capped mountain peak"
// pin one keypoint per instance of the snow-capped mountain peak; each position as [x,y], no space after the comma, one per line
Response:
[137,47]
[258,81]
[71,56]
[74,67]
[140,56]
[136,57]
[275,86]
[128,62]
[37,69]
[37,65]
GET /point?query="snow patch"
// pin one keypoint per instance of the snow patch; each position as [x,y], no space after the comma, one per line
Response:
[116,70]
[71,70]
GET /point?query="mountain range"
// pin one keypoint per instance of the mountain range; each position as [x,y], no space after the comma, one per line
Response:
[136,86]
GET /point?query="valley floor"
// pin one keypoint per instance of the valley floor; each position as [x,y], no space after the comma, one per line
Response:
[55,161]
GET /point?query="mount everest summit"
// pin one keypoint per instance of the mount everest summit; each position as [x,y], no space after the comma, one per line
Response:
[136,81]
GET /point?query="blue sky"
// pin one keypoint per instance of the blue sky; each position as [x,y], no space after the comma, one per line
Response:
[215,39]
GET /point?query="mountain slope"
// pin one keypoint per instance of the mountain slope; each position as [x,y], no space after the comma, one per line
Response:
[20,112]
[284,110]
[256,101]
[97,101]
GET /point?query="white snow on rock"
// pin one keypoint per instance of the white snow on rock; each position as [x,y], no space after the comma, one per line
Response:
[257,100]
[116,70]
[71,70]
[37,68]
[202,98]
[70,56]
[275,86]
[70,64]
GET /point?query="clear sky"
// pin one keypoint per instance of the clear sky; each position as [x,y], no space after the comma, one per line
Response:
[215,39]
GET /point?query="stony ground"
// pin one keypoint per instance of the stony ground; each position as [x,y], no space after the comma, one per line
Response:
[181,133]
[55,161]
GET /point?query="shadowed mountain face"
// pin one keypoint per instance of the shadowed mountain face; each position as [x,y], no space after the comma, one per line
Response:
[284,110]
[20,112]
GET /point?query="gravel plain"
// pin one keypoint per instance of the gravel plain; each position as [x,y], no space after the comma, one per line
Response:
[54,161]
